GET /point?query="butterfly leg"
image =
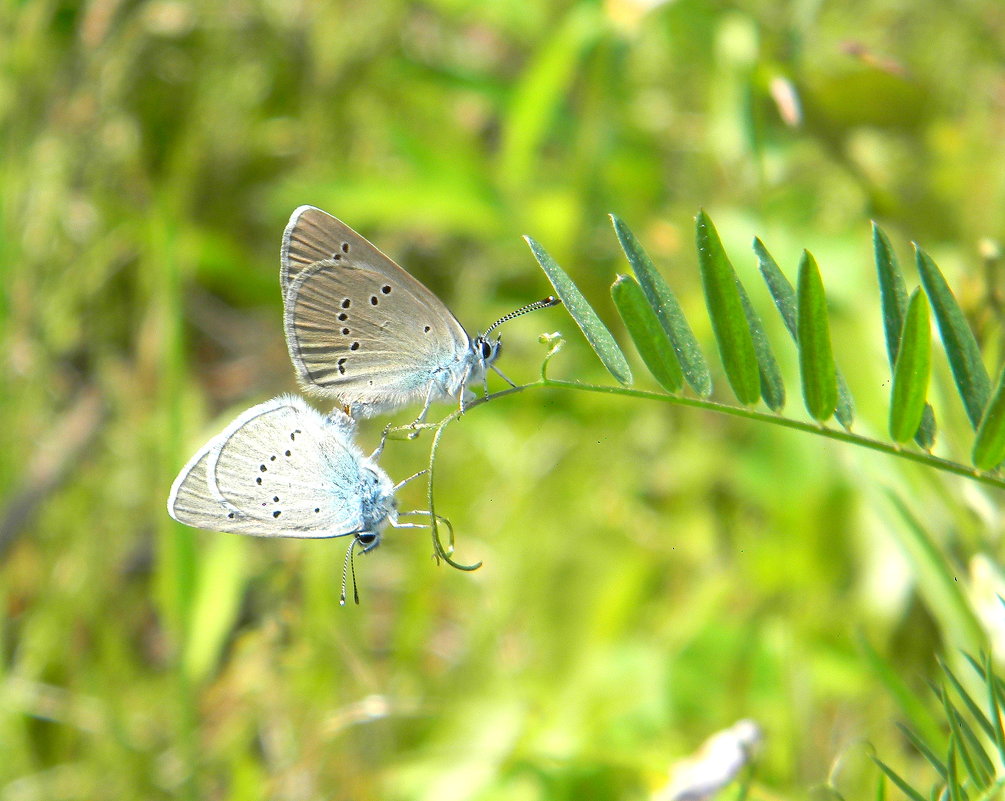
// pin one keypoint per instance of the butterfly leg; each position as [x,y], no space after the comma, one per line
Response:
[502,375]
[383,440]
[425,406]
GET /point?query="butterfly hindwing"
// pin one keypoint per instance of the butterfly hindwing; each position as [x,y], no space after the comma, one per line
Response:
[280,470]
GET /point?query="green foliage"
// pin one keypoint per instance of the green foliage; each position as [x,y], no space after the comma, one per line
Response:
[651,571]
[974,741]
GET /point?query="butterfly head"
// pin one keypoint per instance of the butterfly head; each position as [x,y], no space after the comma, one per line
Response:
[486,350]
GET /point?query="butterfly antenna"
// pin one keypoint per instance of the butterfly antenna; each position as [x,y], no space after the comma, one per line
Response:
[551,300]
[349,566]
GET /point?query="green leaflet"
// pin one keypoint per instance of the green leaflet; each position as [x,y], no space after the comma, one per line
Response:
[726,310]
[911,370]
[650,339]
[816,360]
[668,311]
[785,301]
[772,386]
[589,322]
[964,355]
[893,298]
[989,447]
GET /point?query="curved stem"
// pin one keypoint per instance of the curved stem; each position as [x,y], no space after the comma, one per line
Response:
[935,462]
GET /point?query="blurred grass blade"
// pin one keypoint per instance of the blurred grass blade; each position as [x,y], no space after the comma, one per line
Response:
[816,361]
[910,704]
[964,355]
[989,447]
[952,780]
[911,371]
[979,764]
[893,776]
[994,703]
[668,311]
[961,735]
[893,297]
[926,752]
[784,296]
[736,345]
[542,89]
[971,705]
[772,386]
[589,322]
[650,339]
[216,605]
[936,582]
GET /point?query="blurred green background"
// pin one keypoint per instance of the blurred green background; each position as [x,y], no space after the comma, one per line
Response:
[652,573]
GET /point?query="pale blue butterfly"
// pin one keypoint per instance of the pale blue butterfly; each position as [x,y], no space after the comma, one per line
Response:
[282,469]
[362,331]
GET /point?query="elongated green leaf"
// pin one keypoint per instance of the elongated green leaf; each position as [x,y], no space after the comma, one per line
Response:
[911,371]
[772,386]
[892,291]
[650,339]
[989,447]
[963,738]
[589,322]
[782,291]
[952,778]
[964,355]
[816,361]
[893,297]
[905,788]
[972,706]
[784,296]
[979,765]
[668,311]
[994,705]
[736,345]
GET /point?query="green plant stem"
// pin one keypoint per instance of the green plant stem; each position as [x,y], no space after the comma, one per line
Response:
[441,552]
[935,462]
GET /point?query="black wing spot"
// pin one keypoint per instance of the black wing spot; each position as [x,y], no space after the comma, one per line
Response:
[345,331]
[317,509]
[231,515]
[289,453]
[386,289]
[341,366]
[343,317]
[346,303]
[296,431]
[272,458]
[336,256]
[263,468]
[345,247]
[275,499]
[373,300]
[426,330]
[276,513]
[258,481]
[370,383]
[354,346]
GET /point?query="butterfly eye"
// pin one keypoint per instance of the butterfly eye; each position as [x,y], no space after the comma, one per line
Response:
[486,348]
[367,538]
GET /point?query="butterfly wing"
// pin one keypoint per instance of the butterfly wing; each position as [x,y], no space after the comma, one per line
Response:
[279,470]
[371,337]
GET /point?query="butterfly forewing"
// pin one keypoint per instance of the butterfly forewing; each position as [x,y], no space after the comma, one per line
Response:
[360,334]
